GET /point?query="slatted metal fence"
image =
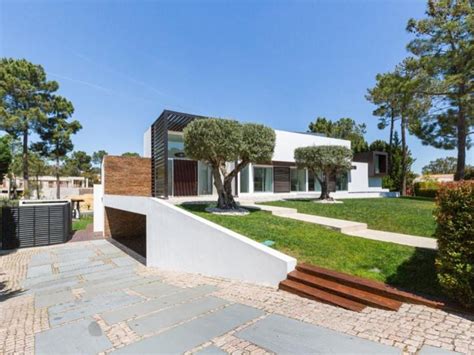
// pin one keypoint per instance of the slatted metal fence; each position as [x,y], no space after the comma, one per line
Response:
[36,225]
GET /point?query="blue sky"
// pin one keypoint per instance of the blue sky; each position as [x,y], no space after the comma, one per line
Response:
[280,63]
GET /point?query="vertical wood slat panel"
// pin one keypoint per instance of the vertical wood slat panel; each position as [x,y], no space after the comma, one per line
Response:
[281,176]
[185,177]
[28,226]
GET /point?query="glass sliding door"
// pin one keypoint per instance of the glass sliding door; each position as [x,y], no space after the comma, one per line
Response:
[298,179]
[244,179]
[263,179]
[341,182]
[204,179]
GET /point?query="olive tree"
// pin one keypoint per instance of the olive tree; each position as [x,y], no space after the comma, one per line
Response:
[219,142]
[324,161]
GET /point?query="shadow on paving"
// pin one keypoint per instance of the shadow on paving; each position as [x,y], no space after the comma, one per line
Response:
[6,293]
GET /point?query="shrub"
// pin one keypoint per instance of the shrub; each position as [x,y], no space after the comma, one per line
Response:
[455,233]
[427,188]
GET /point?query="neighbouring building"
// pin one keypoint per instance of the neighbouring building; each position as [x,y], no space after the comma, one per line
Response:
[70,186]
[174,175]
[435,177]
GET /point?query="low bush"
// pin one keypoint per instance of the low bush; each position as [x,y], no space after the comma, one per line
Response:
[426,188]
[455,233]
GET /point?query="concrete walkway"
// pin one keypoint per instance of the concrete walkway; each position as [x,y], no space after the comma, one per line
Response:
[355,229]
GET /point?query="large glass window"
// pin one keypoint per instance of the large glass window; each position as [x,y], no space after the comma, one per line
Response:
[175,145]
[313,183]
[244,179]
[205,179]
[341,182]
[262,179]
[298,179]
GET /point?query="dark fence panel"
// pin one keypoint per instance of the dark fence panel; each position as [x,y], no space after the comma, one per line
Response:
[36,225]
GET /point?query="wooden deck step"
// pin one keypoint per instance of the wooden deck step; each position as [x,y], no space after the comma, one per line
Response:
[351,293]
[374,287]
[319,295]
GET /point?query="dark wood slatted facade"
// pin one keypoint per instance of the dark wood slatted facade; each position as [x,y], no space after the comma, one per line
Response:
[185,177]
[168,121]
[281,179]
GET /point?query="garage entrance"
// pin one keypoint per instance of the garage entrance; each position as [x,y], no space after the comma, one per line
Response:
[127,228]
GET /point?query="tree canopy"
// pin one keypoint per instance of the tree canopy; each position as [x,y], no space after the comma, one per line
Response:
[327,160]
[130,154]
[77,164]
[443,49]
[441,166]
[25,99]
[344,128]
[219,141]
[56,135]
[5,156]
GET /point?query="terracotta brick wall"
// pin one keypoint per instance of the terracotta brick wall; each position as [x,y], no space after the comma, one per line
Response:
[127,228]
[130,176]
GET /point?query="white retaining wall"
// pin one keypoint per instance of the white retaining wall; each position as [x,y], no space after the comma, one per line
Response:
[181,241]
[98,208]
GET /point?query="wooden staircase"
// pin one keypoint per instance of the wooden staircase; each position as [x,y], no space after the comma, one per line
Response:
[347,291]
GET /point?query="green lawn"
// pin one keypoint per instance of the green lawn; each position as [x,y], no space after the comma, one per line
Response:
[402,266]
[80,224]
[402,215]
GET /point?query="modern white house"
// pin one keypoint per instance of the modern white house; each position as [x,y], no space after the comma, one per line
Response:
[174,175]
[140,216]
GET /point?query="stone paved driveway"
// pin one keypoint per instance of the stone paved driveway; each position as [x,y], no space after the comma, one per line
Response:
[91,297]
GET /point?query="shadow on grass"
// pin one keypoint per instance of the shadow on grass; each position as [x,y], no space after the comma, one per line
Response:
[200,207]
[418,276]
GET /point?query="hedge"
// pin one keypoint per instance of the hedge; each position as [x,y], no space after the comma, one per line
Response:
[426,188]
[455,233]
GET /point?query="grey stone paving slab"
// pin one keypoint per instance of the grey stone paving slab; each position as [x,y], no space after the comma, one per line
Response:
[83,337]
[51,283]
[284,335]
[112,273]
[40,259]
[113,285]
[87,270]
[83,308]
[39,271]
[431,350]
[75,255]
[156,289]
[124,261]
[189,335]
[83,264]
[211,350]
[174,315]
[187,294]
[46,299]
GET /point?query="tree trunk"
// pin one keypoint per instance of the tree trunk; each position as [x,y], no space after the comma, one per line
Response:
[403,173]
[324,182]
[224,190]
[390,143]
[58,186]
[37,187]
[462,137]
[25,163]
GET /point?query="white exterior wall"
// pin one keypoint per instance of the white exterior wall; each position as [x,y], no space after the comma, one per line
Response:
[287,142]
[181,241]
[147,143]
[359,178]
[98,208]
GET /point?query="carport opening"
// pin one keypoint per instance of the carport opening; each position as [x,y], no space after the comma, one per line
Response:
[127,228]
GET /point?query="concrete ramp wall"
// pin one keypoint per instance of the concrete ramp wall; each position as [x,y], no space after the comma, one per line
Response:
[181,241]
